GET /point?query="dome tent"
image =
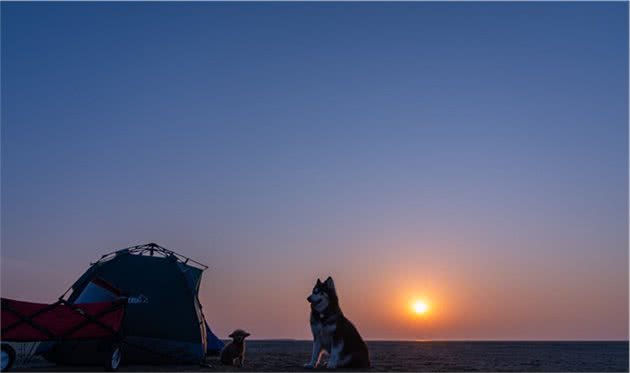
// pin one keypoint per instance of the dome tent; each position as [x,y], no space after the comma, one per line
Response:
[166,323]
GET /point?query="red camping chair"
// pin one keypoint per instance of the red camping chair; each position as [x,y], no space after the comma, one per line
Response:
[62,321]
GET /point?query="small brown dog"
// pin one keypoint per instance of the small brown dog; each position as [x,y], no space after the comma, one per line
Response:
[234,352]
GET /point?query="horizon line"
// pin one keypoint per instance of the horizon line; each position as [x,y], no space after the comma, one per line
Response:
[452,340]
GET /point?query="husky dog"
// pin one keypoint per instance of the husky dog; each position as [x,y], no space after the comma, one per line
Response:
[234,352]
[332,332]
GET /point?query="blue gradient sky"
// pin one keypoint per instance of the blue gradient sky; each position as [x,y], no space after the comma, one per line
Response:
[472,154]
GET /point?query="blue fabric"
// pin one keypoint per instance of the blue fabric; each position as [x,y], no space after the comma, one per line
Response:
[214,344]
[142,349]
[192,275]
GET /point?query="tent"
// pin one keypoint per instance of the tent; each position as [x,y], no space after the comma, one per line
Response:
[163,322]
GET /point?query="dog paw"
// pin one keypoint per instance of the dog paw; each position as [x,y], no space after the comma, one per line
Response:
[308,366]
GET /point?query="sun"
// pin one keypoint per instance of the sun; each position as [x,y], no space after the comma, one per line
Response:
[420,307]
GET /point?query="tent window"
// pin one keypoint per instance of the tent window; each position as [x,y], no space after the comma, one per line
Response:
[97,291]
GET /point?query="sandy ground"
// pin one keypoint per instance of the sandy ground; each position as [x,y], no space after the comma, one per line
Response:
[417,356]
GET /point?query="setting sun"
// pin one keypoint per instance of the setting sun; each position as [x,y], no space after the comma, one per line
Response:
[420,307]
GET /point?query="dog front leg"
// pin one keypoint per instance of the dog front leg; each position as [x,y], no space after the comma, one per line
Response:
[335,355]
[315,355]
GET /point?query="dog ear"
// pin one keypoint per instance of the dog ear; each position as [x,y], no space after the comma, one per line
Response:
[319,282]
[231,335]
[330,284]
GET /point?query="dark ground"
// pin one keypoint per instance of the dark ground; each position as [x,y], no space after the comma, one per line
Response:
[420,356]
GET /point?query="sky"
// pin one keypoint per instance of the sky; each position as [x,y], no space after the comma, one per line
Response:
[472,155]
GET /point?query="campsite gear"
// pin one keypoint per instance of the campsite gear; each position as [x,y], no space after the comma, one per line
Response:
[166,326]
[8,357]
[63,321]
